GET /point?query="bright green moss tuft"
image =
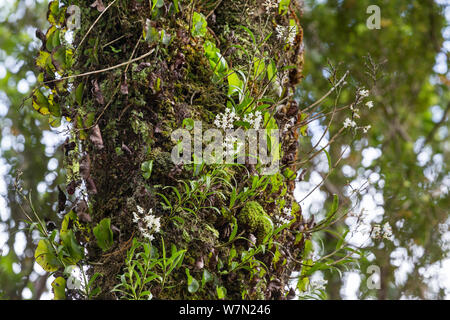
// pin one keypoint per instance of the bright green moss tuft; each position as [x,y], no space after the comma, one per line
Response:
[255,219]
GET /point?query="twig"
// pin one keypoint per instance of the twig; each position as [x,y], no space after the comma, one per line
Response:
[436,127]
[111,42]
[92,26]
[103,70]
[318,102]
[215,7]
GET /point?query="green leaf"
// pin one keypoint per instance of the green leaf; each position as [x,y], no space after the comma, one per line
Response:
[44,60]
[341,239]
[68,240]
[157,3]
[59,57]
[53,121]
[235,229]
[307,249]
[250,33]
[146,168]
[79,94]
[258,67]
[199,25]
[59,288]
[53,38]
[235,85]
[272,71]
[334,206]
[103,234]
[221,292]
[283,6]
[206,277]
[216,60]
[71,245]
[40,103]
[302,284]
[45,105]
[295,208]
[176,6]
[289,174]
[45,256]
[176,260]
[193,285]
[56,14]
[165,38]
[68,221]
[151,34]
[188,124]
[55,109]
[83,134]
[93,278]
[303,129]
[328,158]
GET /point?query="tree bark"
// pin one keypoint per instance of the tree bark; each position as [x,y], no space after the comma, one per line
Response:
[135,109]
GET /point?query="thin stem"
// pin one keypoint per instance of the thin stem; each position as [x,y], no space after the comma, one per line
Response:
[102,70]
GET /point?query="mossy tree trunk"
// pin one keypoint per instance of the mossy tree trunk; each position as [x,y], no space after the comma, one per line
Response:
[127,114]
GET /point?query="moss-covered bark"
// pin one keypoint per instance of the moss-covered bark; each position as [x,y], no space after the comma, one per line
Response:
[138,106]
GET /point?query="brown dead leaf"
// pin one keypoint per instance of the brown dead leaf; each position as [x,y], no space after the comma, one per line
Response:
[97,92]
[199,264]
[124,88]
[90,185]
[85,166]
[71,187]
[81,210]
[61,200]
[96,137]
[142,66]
[291,295]
[126,149]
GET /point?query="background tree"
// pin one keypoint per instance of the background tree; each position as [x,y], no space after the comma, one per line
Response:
[406,150]
[23,148]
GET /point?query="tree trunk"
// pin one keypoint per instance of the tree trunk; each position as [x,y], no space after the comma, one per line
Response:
[128,113]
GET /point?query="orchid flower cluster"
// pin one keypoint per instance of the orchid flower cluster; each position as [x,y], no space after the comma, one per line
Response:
[225,121]
[285,218]
[74,281]
[232,146]
[350,123]
[313,287]
[286,33]
[254,119]
[280,82]
[380,232]
[270,4]
[289,125]
[148,224]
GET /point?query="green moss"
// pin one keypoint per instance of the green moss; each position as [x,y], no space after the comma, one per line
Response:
[140,126]
[255,220]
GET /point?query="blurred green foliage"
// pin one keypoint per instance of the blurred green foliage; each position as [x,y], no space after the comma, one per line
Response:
[409,132]
[22,150]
